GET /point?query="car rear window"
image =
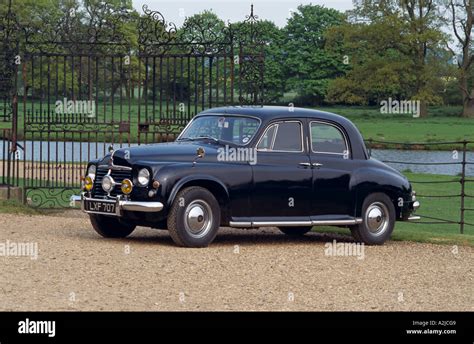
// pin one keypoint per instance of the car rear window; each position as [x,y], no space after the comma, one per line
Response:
[326,138]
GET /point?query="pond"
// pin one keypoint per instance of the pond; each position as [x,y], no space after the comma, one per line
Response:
[430,157]
[85,151]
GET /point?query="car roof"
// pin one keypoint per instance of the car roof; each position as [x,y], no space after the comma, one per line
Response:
[266,113]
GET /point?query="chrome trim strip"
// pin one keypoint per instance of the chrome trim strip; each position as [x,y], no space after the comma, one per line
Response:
[295,223]
[115,167]
[276,224]
[336,222]
[240,224]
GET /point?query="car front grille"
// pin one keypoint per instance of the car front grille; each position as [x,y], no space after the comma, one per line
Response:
[117,175]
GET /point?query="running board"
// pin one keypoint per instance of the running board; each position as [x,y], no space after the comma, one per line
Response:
[295,223]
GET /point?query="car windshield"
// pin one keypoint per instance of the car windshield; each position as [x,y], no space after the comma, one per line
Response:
[235,129]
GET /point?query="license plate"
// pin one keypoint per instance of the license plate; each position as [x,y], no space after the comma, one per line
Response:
[102,207]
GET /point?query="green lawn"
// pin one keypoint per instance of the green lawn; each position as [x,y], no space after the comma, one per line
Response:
[16,207]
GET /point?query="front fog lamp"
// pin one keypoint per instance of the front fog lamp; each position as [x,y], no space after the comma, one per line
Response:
[108,183]
[88,183]
[91,171]
[126,186]
[143,177]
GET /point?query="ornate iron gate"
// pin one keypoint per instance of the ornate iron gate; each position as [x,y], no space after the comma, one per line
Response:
[82,90]
[9,59]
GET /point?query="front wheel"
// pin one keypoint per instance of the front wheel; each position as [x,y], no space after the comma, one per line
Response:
[110,227]
[378,220]
[194,217]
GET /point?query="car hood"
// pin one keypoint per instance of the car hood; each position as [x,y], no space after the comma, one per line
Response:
[163,152]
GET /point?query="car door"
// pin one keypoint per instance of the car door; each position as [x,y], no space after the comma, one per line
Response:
[332,164]
[282,175]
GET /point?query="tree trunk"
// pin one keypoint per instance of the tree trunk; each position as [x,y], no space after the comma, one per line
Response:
[423,109]
[468,105]
[467,98]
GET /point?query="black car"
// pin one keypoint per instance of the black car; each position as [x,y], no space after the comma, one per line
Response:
[249,167]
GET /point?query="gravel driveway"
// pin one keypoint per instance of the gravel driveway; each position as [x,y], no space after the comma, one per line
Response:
[242,270]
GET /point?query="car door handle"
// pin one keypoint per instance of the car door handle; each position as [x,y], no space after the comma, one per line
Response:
[317,164]
[305,164]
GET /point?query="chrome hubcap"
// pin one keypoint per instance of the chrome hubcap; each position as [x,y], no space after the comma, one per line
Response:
[376,218]
[198,218]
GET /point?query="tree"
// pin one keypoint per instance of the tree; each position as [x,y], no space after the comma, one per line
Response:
[401,42]
[378,67]
[462,20]
[309,67]
[274,65]
[422,22]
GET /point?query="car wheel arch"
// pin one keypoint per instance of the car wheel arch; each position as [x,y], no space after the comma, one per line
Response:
[213,185]
[390,192]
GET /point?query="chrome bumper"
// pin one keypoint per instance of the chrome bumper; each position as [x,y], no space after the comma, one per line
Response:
[413,217]
[120,204]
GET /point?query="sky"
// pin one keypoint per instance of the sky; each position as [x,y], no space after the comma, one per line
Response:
[234,10]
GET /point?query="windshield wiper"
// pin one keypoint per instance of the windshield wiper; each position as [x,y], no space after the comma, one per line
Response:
[199,138]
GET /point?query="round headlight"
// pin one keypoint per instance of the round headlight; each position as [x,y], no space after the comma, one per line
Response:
[88,183]
[143,177]
[108,183]
[91,171]
[126,186]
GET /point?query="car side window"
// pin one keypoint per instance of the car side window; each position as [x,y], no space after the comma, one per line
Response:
[282,136]
[327,138]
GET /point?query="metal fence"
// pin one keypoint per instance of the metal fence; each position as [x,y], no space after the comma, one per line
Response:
[76,86]
[459,159]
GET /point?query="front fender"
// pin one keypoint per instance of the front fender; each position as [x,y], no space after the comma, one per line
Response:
[230,183]
[195,177]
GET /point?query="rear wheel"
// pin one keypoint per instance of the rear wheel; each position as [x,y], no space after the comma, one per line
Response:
[194,217]
[378,220]
[295,231]
[110,227]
